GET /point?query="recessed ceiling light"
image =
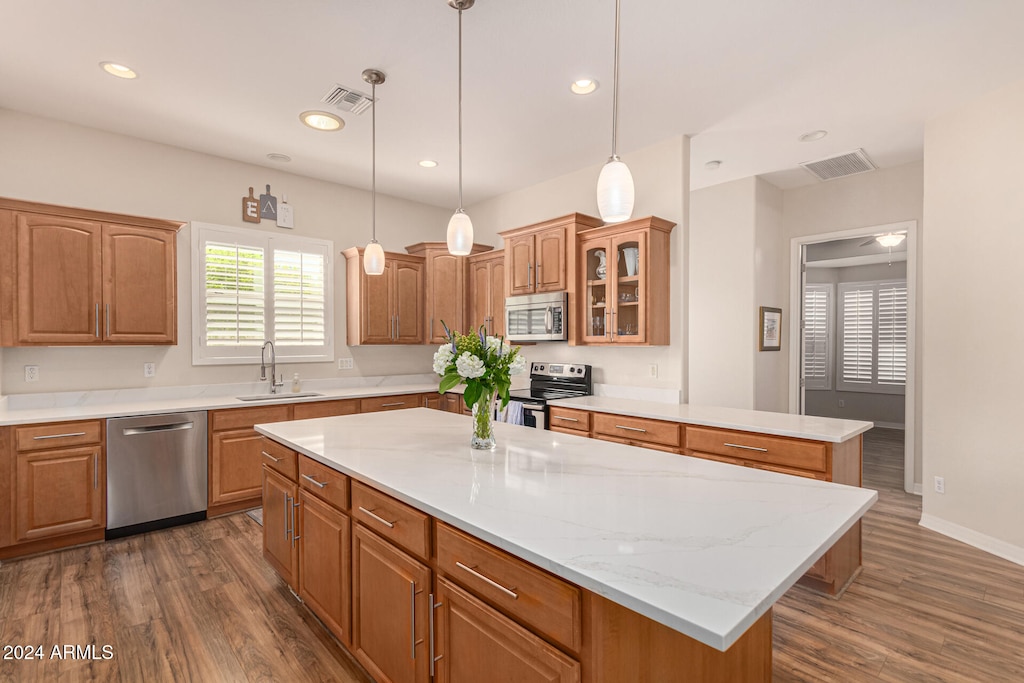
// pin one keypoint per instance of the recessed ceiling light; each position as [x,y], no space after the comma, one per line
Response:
[283,158]
[813,135]
[713,165]
[583,86]
[119,70]
[321,120]
[428,163]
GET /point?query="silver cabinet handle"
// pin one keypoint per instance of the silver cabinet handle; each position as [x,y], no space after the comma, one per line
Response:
[309,478]
[390,525]
[271,457]
[608,324]
[611,328]
[412,591]
[95,471]
[295,504]
[529,274]
[567,419]
[398,326]
[96,321]
[507,591]
[747,448]
[106,323]
[433,606]
[56,436]
[632,429]
[287,509]
[391,405]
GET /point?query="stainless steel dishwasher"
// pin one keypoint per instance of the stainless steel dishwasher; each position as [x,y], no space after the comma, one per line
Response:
[156,472]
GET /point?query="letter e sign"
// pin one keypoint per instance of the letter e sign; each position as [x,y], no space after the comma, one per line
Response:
[250,208]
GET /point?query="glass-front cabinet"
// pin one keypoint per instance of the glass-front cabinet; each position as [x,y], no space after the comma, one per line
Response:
[624,283]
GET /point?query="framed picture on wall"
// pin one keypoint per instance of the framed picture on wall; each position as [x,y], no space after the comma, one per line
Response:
[770,338]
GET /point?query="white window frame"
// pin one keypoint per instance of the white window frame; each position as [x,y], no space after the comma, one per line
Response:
[874,386]
[203,354]
[823,383]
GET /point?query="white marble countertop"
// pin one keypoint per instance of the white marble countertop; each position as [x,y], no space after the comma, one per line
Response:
[700,546]
[780,424]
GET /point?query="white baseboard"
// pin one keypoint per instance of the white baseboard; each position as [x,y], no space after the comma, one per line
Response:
[891,425]
[1002,549]
[918,490]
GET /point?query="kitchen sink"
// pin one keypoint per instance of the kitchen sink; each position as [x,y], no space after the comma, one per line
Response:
[278,397]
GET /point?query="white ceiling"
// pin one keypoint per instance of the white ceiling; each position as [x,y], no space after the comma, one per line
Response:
[745,77]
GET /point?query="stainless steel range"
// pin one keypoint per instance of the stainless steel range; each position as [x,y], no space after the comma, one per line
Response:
[548,382]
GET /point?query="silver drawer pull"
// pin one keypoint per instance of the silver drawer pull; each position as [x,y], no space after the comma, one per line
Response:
[632,429]
[506,591]
[58,436]
[389,405]
[271,457]
[306,476]
[747,448]
[567,419]
[390,525]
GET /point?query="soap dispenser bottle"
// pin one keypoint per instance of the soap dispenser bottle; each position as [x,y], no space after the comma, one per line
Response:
[295,383]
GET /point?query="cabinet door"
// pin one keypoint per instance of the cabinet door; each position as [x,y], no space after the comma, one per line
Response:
[519,262]
[59,280]
[235,459]
[375,306]
[550,261]
[59,492]
[390,593]
[497,308]
[324,563]
[446,296]
[279,547]
[627,269]
[139,295]
[479,311]
[473,642]
[434,401]
[408,303]
[595,289]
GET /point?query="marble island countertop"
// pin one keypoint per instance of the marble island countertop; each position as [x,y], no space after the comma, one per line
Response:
[700,546]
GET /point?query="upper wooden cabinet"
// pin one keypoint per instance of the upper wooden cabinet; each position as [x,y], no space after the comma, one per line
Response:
[624,283]
[83,277]
[445,289]
[540,258]
[487,291]
[385,308]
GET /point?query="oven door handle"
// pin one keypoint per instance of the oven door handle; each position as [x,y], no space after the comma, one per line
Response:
[532,406]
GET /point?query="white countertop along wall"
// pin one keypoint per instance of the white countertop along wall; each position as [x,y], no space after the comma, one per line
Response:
[703,547]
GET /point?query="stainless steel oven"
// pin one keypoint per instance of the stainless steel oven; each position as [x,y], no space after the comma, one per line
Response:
[548,382]
[537,317]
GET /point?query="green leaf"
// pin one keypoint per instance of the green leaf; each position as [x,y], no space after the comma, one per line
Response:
[449,381]
[472,394]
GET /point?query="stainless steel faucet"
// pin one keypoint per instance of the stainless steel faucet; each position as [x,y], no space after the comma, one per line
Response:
[274,383]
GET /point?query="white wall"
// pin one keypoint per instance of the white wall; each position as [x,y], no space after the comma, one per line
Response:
[974,321]
[771,288]
[58,163]
[660,174]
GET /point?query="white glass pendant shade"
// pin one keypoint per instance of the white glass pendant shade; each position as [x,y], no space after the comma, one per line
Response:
[373,259]
[460,234]
[615,192]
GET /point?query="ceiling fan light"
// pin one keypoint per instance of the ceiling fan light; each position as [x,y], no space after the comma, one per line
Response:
[373,258]
[890,240]
[460,234]
[615,192]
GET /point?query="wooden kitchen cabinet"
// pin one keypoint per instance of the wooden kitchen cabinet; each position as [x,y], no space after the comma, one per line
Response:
[445,289]
[624,283]
[540,258]
[85,277]
[235,456]
[487,291]
[386,308]
[279,528]
[325,548]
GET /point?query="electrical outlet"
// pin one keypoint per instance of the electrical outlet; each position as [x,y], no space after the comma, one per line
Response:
[344,363]
[652,370]
[149,370]
[940,485]
[31,373]
[842,403]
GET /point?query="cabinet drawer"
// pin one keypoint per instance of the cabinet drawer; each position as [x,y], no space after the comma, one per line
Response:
[637,429]
[376,403]
[324,482]
[308,411]
[546,604]
[758,448]
[278,457]
[569,418]
[392,519]
[640,444]
[240,418]
[58,435]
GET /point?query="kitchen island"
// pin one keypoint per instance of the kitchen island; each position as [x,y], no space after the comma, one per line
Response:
[693,550]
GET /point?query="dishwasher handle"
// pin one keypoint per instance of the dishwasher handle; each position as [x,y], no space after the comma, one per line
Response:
[179,426]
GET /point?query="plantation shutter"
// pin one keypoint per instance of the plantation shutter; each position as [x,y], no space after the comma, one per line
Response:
[858,334]
[873,336]
[299,298]
[235,302]
[892,334]
[817,337]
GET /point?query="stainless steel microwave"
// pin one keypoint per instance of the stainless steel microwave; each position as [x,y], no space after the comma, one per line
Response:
[537,317]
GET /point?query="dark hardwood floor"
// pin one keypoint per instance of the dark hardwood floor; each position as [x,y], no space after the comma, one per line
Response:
[198,603]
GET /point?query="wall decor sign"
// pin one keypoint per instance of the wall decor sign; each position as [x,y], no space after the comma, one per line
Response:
[285,214]
[250,208]
[770,338]
[268,206]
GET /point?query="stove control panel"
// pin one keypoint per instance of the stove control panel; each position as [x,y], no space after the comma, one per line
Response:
[559,370]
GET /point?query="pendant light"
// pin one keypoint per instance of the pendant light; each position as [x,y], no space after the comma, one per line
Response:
[460,228]
[615,184]
[373,256]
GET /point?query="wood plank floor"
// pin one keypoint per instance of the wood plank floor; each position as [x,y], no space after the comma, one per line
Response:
[197,603]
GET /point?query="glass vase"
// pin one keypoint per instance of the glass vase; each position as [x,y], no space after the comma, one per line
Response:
[483,422]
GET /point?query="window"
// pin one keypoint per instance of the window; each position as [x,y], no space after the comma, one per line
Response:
[873,337]
[249,286]
[818,325]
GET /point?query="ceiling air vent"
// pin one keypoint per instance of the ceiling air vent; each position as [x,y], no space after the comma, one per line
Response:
[347,99]
[840,166]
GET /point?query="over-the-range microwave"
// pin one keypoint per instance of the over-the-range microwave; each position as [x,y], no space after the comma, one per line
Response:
[537,317]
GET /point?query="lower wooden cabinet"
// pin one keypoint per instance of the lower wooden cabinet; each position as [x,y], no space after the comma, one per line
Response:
[325,564]
[472,642]
[59,492]
[390,603]
[400,402]
[235,455]
[279,535]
